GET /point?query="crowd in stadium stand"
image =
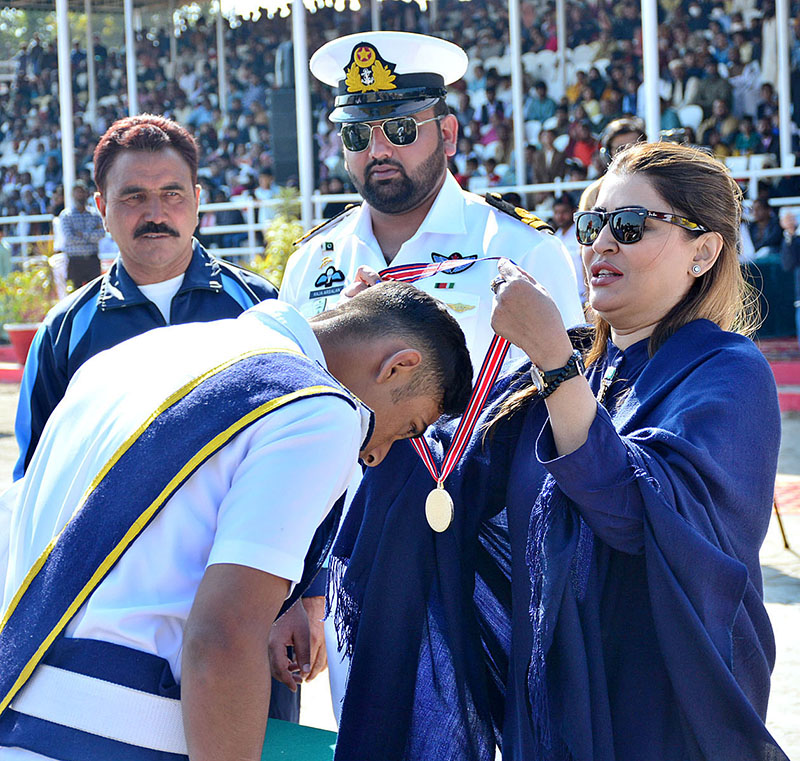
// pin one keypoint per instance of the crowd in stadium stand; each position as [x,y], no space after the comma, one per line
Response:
[718,70]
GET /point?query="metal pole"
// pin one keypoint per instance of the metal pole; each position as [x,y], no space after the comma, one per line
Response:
[65,100]
[375,14]
[173,41]
[784,91]
[652,110]
[250,216]
[515,38]
[130,59]
[561,33]
[433,11]
[91,74]
[302,95]
[222,79]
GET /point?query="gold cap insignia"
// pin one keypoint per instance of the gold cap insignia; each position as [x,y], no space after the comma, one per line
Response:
[367,71]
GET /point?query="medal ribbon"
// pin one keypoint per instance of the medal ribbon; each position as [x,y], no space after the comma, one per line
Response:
[487,375]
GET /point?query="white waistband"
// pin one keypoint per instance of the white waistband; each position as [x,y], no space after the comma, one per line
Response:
[103,708]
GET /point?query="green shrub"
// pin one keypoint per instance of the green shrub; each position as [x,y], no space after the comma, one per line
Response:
[26,295]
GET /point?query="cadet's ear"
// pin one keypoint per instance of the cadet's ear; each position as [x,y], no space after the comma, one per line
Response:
[398,365]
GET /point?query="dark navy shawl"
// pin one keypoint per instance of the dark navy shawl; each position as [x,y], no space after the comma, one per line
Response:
[611,610]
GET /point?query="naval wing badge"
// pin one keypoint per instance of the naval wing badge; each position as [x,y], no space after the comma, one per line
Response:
[367,71]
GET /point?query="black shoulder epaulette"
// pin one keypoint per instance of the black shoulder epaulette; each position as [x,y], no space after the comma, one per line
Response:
[523,215]
[322,225]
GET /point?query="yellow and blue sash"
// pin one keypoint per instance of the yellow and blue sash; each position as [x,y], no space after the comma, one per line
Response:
[186,429]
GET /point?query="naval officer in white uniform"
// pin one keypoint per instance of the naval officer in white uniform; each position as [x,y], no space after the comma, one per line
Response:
[397,136]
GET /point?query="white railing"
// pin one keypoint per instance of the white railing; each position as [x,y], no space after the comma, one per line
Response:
[23,248]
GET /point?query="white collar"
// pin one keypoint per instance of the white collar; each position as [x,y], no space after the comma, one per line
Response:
[287,321]
[446,216]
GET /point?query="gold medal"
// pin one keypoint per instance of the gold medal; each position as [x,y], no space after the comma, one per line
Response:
[439,509]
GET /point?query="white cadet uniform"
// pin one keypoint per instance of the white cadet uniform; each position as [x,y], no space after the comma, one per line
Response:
[257,502]
[458,222]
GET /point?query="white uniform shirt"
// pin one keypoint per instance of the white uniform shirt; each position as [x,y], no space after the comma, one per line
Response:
[256,503]
[458,222]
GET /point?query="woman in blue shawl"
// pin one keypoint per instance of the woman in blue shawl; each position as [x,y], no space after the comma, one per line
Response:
[598,596]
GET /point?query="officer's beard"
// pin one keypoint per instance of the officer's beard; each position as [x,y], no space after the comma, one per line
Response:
[405,192]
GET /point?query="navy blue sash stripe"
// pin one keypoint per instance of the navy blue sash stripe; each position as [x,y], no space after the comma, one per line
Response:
[56,741]
[143,474]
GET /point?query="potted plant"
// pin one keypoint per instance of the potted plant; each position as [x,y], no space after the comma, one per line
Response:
[26,296]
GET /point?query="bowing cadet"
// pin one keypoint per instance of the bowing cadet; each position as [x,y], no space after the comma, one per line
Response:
[190,480]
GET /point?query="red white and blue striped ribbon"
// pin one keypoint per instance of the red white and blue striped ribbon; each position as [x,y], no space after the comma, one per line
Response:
[487,375]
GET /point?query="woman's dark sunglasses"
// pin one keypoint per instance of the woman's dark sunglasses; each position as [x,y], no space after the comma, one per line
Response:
[400,131]
[626,225]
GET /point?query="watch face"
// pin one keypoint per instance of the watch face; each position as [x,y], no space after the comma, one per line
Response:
[537,378]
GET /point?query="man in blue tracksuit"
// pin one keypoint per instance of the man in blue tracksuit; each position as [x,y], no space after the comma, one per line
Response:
[146,174]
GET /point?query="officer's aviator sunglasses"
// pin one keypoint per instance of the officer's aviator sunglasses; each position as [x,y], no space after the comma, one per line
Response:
[400,131]
[626,225]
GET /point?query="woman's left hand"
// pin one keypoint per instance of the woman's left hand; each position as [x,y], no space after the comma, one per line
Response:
[525,314]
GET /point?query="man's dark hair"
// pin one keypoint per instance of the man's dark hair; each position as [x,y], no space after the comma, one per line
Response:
[620,127]
[565,199]
[401,309]
[440,108]
[145,132]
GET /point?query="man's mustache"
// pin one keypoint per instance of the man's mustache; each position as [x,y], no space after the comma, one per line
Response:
[150,228]
[385,162]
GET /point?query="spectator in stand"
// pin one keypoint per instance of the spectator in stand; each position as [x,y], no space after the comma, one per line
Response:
[719,150]
[620,134]
[539,106]
[745,79]
[574,90]
[712,88]
[560,123]
[582,145]
[471,170]
[564,208]
[790,256]
[220,218]
[721,120]
[768,136]
[265,191]
[765,229]
[767,105]
[746,140]
[491,108]
[548,163]
[80,232]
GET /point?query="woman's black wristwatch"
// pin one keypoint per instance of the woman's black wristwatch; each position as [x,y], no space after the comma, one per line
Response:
[547,382]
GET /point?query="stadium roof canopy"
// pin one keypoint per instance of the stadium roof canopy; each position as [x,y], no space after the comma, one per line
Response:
[79,6]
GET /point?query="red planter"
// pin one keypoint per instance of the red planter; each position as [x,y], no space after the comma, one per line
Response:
[21,336]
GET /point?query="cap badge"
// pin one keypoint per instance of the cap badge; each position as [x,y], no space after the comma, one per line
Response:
[368,72]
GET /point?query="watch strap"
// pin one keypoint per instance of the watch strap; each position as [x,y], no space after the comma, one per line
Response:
[552,379]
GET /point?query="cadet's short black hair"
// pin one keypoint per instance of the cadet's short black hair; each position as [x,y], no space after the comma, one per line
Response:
[401,309]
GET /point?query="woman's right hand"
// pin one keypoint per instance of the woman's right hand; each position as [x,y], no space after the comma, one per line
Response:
[525,314]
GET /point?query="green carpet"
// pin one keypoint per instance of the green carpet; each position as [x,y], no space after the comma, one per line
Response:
[285,741]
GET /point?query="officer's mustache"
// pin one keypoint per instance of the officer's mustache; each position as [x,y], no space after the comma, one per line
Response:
[385,162]
[151,228]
